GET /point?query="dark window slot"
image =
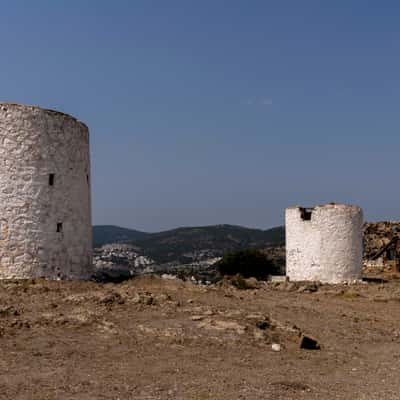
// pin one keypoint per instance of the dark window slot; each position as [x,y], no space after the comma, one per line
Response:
[59,227]
[51,179]
[305,214]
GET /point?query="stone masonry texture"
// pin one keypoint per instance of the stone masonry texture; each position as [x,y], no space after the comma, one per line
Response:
[45,205]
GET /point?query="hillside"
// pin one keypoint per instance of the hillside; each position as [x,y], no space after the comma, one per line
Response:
[190,244]
[187,244]
[104,234]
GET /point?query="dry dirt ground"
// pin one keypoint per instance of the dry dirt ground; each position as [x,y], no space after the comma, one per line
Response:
[150,339]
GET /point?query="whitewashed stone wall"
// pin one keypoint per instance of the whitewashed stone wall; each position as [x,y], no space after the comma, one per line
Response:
[328,247]
[45,222]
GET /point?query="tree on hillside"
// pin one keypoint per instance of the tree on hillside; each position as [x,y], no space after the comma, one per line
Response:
[247,263]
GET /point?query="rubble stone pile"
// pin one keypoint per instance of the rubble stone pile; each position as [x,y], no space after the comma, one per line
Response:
[382,244]
[377,235]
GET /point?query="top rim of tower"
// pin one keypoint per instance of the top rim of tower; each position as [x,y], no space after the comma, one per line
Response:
[327,205]
[47,110]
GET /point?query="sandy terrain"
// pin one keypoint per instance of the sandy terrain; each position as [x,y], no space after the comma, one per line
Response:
[150,338]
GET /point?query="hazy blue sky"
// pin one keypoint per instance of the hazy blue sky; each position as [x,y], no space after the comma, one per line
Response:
[212,111]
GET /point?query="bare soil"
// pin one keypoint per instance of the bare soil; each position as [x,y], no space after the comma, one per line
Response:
[150,339]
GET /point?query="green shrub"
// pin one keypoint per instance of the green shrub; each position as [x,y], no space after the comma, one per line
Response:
[247,263]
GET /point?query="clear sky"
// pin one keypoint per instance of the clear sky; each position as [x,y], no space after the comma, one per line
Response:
[212,111]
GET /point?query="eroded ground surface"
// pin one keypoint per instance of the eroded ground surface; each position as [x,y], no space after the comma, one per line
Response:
[150,338]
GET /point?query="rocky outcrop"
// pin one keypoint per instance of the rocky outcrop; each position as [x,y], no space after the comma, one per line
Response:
[377,235]
[382,246]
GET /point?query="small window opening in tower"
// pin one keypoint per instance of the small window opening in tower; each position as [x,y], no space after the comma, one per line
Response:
[59,227]
[87,178]
[51,179]
[305,213]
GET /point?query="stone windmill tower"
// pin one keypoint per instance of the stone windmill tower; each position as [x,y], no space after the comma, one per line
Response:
[45,205]
[324,243]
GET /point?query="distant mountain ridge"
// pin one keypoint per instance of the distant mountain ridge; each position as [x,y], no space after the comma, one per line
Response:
[105,234]
[189,243]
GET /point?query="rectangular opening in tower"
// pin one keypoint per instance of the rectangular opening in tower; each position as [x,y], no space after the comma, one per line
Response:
[59,227]
[51,179]
[305,213]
